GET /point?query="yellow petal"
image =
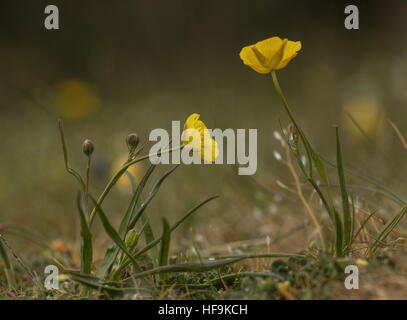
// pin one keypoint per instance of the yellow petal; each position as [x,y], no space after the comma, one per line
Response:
[252,60]
[271,49]
[290,51]
[193,138]
[189,123]
[210,150]
[270,54]
[264,55]
[197,135]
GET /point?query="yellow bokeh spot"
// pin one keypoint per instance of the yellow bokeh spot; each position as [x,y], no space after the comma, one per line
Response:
[59,246]
[63,277]
[75,99]
[361,262]
[124,183]
[367,113]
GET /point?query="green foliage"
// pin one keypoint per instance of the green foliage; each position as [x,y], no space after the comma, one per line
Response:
[8,267]
[343,224]
[109,277]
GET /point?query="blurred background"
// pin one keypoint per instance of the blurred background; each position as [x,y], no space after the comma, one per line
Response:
[116,67]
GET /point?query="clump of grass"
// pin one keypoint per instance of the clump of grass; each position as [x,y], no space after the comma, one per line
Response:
[127,266]
[342,220]
[8,266]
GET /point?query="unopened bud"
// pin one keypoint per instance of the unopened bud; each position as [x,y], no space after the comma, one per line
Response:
[88,147]
[132,141]
[131,238]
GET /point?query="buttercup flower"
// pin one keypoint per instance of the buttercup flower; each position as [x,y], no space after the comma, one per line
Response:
[196,135]
[270,54]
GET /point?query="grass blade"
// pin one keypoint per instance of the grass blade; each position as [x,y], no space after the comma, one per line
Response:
[65,152]
[112,233]
[174,226]
[165,246]
[204,266]
[124,225]
[26,234]
[149,237]
[8,267]
[86,247]
[93,282]
[364,224]
[388,228]
[347,216]
[150,197]
[165,243]
[338,233]
[112,252]
[177,224]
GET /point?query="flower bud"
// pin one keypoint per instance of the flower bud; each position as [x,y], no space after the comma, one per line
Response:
[88,147]
[131,238]
[132,141]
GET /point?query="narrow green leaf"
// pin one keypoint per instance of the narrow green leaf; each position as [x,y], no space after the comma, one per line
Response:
[8,267]
[112,251]
[124,226]
[338,233]
[129,220]
[229,278]
[174,226]
[108,261]
[165,243]
[347,216]
[27,234]
[165,246]
[150,197]
[387,229]
[364,224]
[65,152]
[203,266]
[113,233]
[149,237]
[381,188]
[86,246]
[177,224]
[93,282]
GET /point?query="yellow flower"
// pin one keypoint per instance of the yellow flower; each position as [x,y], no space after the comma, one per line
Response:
[197,135]
[270,54]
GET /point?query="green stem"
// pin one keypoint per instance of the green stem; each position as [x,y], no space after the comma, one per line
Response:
[307,146]
[88,170]
[283,98]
